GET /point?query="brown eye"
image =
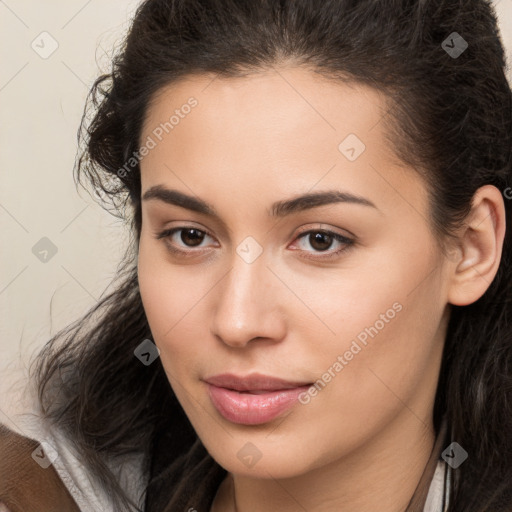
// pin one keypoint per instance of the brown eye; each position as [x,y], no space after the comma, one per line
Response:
[192,237]
[182,240]
[320,240]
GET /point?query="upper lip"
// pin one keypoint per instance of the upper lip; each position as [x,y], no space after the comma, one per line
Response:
[253,382]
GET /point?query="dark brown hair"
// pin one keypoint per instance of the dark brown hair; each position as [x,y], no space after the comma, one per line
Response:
[449,117]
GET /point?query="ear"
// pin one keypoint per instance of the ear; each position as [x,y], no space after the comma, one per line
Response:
[480,245]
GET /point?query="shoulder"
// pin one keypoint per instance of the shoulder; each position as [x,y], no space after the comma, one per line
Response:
[28,481]
[38,451]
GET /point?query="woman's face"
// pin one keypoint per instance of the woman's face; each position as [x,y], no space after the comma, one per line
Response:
[252,286]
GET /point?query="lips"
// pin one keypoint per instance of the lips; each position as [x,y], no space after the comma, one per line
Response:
[253,383]
[254,399]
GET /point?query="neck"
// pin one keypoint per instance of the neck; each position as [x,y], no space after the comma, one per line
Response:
[381,475]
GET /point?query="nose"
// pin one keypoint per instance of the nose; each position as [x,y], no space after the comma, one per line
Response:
[249,304]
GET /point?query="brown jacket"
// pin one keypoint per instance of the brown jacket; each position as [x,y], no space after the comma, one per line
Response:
[25,485]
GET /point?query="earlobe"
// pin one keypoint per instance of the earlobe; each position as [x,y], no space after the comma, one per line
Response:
[481,243]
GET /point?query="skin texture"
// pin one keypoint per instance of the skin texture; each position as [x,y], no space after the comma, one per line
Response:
[362,442]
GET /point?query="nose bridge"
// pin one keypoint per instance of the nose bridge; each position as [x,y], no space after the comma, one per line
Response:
[247,305]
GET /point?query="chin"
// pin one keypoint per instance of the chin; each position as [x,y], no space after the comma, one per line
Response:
[257,457]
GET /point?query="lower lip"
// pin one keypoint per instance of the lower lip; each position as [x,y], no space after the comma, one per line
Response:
[252,409]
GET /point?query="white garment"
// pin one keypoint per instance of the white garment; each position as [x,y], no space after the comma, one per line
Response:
[19,411]
[434,501]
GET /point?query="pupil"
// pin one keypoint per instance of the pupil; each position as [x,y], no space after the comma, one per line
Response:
[196,236]
[319,237]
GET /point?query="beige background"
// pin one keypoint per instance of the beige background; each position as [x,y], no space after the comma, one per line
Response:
[41,102]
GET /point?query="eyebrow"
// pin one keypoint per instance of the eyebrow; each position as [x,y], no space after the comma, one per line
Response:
[278,209]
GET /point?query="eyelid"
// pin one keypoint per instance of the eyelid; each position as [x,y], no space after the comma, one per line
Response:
[325,255]
[169,232]
[329,254]
[160,233]
[328,228]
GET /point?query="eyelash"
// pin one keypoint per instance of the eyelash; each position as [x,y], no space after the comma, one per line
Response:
[348,243]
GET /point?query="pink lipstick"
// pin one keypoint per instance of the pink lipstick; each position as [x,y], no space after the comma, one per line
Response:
[254,399]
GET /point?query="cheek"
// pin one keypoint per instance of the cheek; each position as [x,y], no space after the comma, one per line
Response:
[386,322]
[172,299]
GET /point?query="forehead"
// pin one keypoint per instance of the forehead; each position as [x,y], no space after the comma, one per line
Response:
[282,98]
[289,128]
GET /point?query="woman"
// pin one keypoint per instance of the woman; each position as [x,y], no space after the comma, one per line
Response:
[315,313]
